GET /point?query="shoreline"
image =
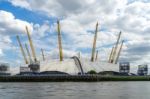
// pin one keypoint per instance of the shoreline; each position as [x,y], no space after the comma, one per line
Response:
[71,78]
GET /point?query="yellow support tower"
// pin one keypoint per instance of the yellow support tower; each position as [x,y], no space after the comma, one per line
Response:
[94,44]
[59,42]
[96,55]
[79,55]
[110,56]
[117,58]
[115,49]
[28,52]
[31,44]
[22,50]
[43,54]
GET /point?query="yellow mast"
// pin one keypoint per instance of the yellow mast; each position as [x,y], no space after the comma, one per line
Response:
[31,44]
[79,55]
[110,56]
[119,52]
[116,46]
[22,50]
[94,44]
[28,52]
[96,55]
[59,41]
[43,54]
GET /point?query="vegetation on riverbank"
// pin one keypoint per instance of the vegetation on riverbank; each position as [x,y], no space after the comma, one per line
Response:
[72,78]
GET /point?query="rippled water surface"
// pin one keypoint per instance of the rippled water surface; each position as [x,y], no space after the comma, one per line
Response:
[78,90]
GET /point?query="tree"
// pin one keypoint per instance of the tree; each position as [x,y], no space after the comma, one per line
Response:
[92,72]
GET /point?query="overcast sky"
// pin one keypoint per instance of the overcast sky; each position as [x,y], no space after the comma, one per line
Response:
[78,19]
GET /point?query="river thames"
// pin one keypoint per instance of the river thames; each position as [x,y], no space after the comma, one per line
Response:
[75,90]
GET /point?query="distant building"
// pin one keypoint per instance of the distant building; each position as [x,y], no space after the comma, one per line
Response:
[142,70]
[24,69]
[34,67]
[4,69]
[124,67]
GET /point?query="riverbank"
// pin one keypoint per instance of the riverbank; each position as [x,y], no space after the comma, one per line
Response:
[72,78]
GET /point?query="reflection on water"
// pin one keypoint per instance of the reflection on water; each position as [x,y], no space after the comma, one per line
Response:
[71,90]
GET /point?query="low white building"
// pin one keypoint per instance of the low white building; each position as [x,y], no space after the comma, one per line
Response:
[69,66]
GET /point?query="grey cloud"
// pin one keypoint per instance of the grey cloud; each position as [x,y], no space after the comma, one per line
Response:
[81,16]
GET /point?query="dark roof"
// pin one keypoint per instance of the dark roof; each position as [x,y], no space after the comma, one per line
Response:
[53,72]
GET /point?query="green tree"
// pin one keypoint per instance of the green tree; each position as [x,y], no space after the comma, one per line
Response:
[92,72]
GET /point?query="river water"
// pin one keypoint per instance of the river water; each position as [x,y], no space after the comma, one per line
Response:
[75,90]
